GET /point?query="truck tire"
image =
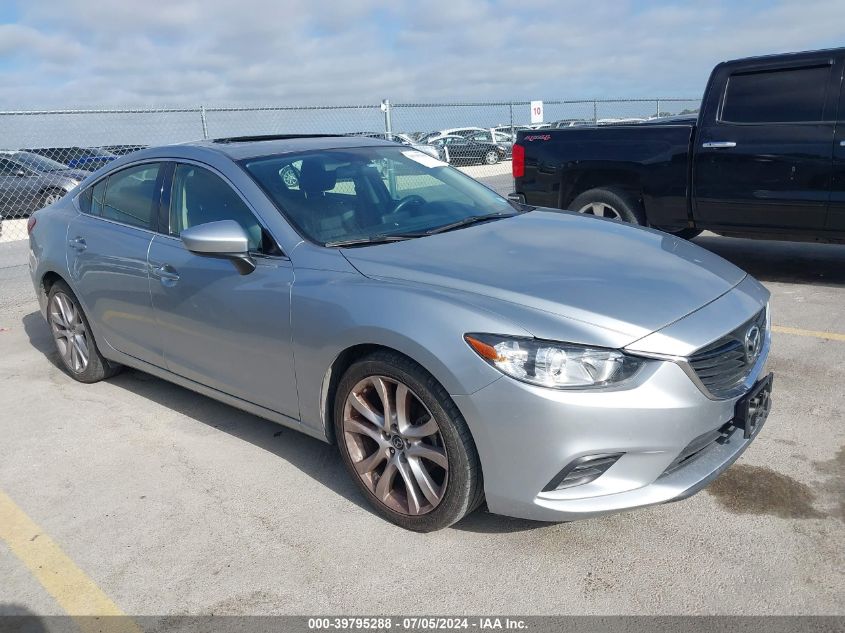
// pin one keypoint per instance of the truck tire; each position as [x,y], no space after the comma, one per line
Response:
[610,203]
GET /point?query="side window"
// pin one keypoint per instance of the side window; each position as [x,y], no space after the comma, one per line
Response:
[131,196]
[91,200]
[8,168]
[199,196]
[776,96]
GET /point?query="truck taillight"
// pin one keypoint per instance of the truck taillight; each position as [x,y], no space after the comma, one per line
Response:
[518,161]
[30,224]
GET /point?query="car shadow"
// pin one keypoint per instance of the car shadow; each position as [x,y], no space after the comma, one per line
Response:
[789,262]
[315,458]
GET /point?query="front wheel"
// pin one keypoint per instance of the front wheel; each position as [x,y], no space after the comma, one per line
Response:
[491,157]
[405,443]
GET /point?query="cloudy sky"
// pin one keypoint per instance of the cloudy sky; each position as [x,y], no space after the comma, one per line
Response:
[65,53]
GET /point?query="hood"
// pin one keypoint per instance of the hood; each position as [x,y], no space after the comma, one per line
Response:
[624,278]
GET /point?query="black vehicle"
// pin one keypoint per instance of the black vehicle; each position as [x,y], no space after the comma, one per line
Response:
[765,157]
[88,158]
[458,149]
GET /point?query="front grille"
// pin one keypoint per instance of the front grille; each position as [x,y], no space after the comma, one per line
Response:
[723,365]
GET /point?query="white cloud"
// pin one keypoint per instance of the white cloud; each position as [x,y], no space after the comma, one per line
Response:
[66,53]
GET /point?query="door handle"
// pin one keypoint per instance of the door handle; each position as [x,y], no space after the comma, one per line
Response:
[841,143]
[718,144]
[78,244]
[166,273]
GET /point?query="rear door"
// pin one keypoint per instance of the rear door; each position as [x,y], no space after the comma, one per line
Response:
[763,156]
[107,258]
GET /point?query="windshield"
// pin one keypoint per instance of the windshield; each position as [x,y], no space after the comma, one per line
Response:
[362,193]
[38,163]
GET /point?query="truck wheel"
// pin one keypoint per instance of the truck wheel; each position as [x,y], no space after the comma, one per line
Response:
[610,203]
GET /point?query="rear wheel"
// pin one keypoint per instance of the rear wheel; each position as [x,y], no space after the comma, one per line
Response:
[610,203]
[405,443]
[73,338]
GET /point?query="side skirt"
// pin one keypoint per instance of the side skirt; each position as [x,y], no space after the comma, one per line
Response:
[214,394]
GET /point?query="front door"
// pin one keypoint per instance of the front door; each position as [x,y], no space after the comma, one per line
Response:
[764,161]
[228,331]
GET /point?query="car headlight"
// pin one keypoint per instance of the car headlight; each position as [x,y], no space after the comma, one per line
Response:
[554,364]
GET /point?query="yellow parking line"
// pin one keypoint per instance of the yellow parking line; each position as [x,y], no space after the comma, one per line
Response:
[75,592]
[831,336]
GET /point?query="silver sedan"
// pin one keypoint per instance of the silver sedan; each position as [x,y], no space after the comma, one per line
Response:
[456,346]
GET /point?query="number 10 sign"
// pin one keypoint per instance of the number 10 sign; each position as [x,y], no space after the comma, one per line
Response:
[536,111]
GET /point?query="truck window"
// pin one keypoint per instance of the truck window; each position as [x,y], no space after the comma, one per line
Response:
[776,96]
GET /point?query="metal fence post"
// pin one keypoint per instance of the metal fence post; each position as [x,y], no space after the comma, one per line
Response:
[388,121]
[595,111]
[512,134]
[658,108]
[204,122]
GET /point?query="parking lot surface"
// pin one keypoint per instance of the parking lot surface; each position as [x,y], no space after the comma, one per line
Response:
[171,503]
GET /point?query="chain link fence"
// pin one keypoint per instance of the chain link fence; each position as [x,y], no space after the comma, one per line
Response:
[44,154]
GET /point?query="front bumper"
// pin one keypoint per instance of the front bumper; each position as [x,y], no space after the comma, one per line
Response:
[525,435]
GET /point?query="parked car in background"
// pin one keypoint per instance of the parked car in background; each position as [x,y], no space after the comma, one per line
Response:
[455,131]
[458,149]
[120,150]
[29,182]
[764,158]
[429,327]
[563,123]
[404,139]
[501,139]
[88,158]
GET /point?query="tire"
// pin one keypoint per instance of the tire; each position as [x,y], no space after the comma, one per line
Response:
[491,157]
[615,203]
[50,196]
[68,323]
[686,234]
[454,479]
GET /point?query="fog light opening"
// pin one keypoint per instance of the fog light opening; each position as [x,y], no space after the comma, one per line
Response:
[582,471]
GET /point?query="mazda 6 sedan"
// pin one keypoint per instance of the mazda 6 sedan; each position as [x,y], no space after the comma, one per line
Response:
[457,347]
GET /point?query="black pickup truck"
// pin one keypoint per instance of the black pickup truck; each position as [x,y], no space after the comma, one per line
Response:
[764,158]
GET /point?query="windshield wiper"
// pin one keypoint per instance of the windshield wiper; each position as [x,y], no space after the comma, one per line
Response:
[372,239]
[476,219]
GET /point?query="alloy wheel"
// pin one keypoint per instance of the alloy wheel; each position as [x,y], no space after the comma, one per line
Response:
[491,157]
[51,197]
[601,209]
[69,332]
[395,445]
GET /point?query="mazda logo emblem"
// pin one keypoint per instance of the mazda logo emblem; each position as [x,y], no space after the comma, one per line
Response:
[753,342]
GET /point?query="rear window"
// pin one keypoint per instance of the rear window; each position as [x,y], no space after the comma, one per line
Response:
[776,96]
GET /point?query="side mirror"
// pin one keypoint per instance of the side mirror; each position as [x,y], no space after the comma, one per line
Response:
[225,239]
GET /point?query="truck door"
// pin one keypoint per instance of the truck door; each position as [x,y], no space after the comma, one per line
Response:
[764,150]
[836,212]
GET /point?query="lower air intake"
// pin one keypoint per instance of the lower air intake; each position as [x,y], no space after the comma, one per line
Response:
[582,471]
